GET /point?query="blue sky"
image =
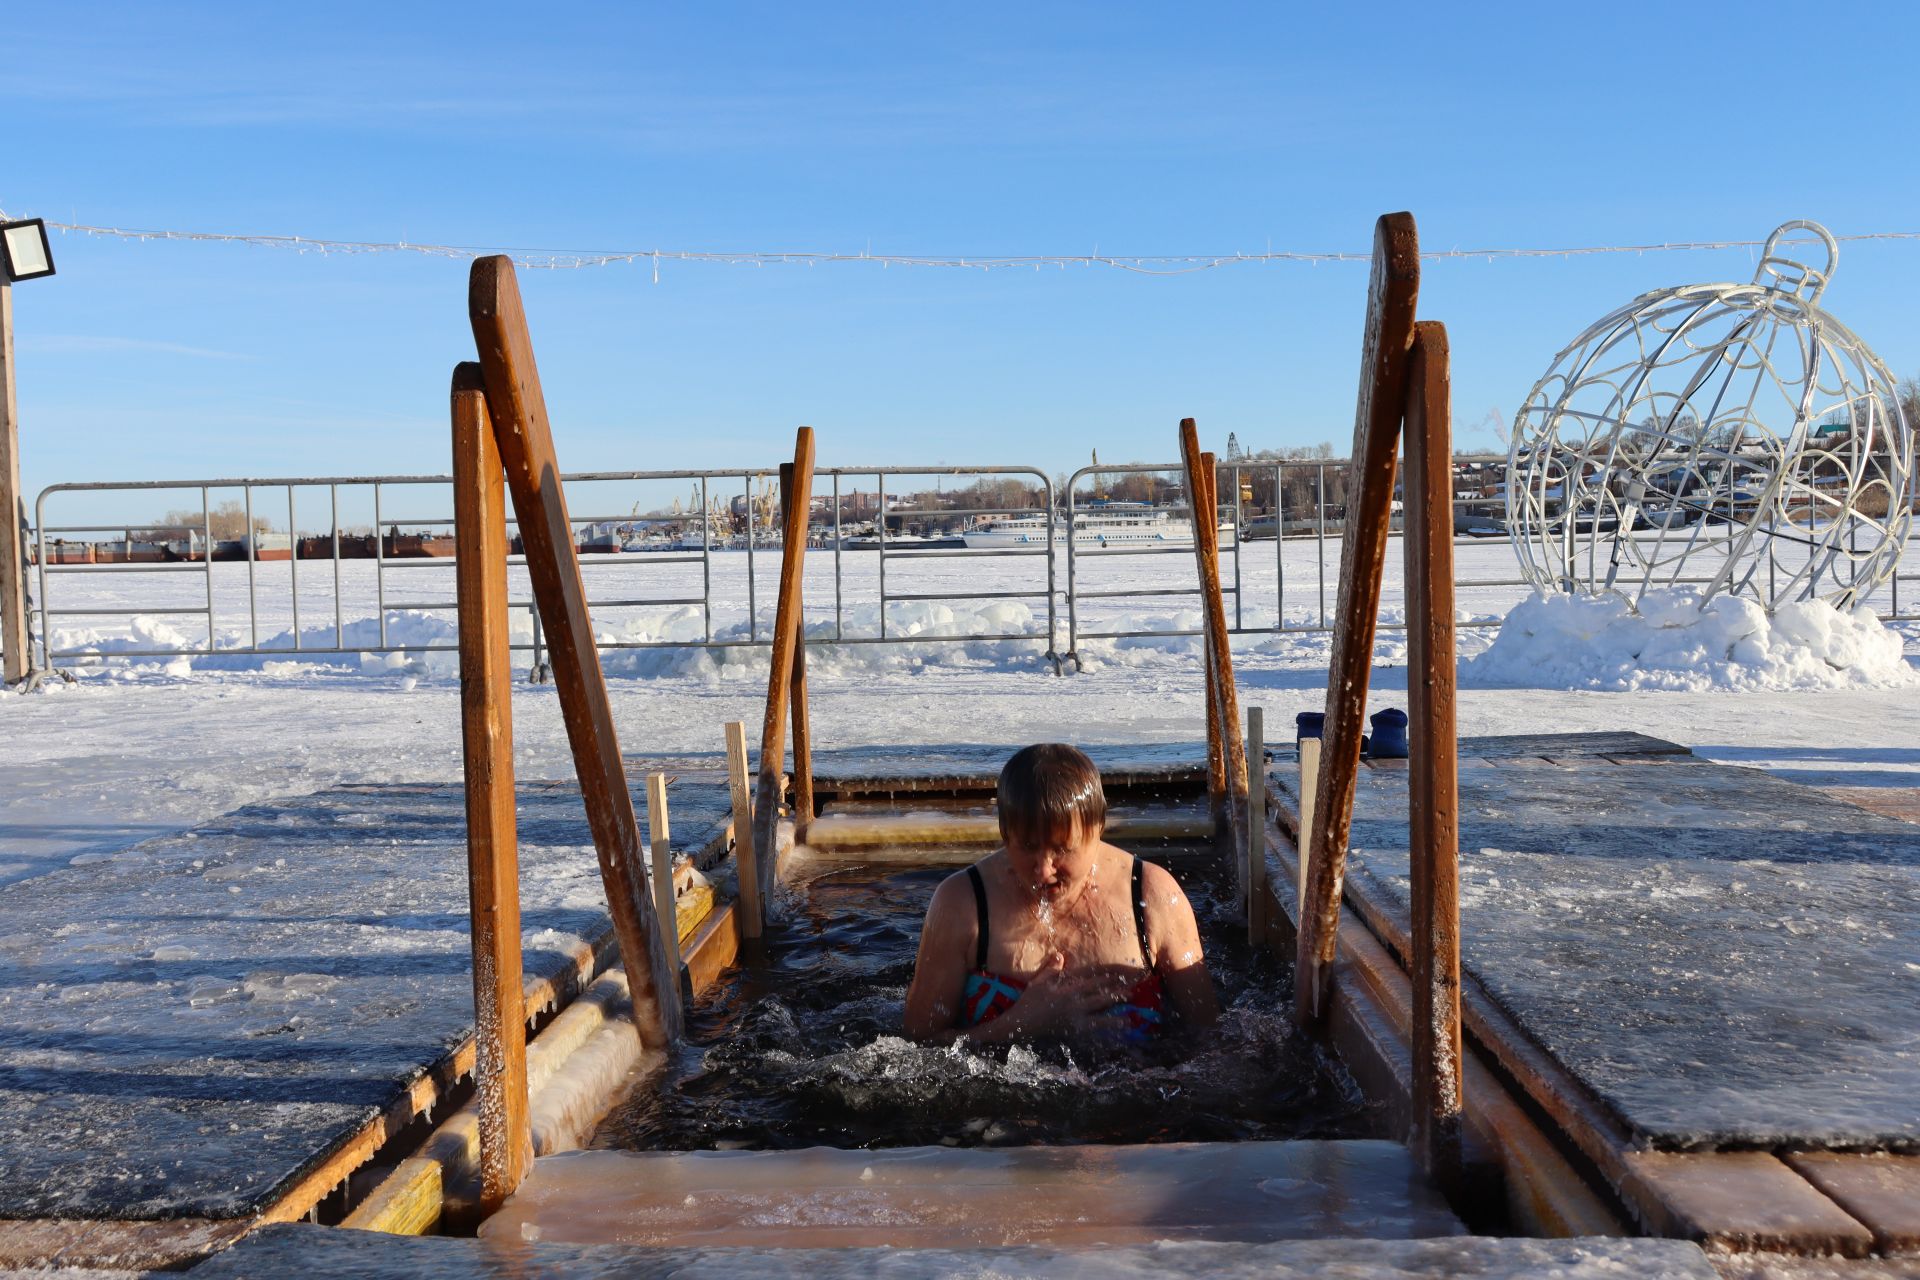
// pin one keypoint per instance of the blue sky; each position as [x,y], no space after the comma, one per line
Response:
[895,129]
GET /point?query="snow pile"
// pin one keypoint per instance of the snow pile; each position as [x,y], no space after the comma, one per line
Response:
[1676,643]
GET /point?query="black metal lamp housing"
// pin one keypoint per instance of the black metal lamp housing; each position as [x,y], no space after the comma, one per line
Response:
[24,251]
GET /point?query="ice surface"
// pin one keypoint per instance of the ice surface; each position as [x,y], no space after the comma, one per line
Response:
[1724,957]
[321,1253]
[188,1028]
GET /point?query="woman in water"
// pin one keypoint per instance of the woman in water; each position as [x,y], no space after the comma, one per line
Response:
[1058,934]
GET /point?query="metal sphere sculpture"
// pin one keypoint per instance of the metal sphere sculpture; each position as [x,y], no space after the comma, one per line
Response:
[1734,438]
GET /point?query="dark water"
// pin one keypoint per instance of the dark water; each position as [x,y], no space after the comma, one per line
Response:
[806,1050]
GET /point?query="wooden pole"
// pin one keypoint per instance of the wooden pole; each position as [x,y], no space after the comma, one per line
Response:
[1256,821]
[520,428]
[17,663]
[1204,501]
[662,877]
[744,866]
[786,639]
[1392,292]
[797,688]
[486,724]
[1309,786]
[1433,780]
[1223,711]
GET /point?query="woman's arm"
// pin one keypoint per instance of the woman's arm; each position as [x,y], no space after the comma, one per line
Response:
[1177,955]
[947,940]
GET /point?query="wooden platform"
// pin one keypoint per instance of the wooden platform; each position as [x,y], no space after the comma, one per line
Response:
[1697,971]
[319,1253]
[218,1027]
[906,770]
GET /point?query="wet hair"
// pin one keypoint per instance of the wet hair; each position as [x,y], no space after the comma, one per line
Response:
[1043,788]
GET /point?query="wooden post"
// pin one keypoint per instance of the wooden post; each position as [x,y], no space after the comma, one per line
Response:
[486,724]
[1204,500]
[797,688]
[17,662]
[1433,779]
[744,866]
[1256,821]
[786,639]
[662,878]
[520,429]
[1309,787]
[1223,711]
[1392,292]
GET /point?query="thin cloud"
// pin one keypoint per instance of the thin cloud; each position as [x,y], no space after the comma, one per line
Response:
[79,343]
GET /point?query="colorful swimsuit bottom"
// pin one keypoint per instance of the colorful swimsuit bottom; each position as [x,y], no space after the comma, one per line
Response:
[987,994]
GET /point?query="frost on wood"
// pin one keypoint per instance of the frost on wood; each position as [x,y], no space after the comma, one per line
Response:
[196,1020]
[1724,958]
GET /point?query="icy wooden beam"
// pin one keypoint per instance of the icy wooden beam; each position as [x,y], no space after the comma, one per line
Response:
[493,859]
[662,879]
[1387,341]
[521,431]
[1434,778]
[1223,704]
[786,639]
[744,863]
[1256,876]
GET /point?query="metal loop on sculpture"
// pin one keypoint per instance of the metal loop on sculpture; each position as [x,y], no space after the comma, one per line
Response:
[1791,274]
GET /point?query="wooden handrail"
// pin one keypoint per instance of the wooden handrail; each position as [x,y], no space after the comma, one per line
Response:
[1223,703]
[1392,293]
[486,732]
[786,641]
[797,687]
[525,440]
[1433,775]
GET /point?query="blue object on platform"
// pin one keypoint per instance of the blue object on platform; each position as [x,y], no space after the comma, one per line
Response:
[1309,724]
[1389,738]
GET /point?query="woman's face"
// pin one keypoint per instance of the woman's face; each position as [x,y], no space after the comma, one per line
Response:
[1055,867]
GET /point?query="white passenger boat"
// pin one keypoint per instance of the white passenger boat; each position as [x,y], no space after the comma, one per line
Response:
[1115,526]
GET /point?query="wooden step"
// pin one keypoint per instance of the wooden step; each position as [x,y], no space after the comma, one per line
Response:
[947,1198]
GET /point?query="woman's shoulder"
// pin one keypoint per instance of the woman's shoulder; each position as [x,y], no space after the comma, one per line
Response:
[1159,890]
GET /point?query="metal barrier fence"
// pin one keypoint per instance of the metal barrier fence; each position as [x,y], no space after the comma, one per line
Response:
[1110,585]
[196,552]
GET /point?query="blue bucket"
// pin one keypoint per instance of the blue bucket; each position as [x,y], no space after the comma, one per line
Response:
[1389,738]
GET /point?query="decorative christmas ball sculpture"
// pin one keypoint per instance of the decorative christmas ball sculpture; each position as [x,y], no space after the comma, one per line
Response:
[1732,438]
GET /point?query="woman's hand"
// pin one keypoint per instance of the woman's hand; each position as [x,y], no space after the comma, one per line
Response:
[1057,1002]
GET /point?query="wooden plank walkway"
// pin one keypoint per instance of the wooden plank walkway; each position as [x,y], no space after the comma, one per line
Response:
[222,1024]
[1696,970]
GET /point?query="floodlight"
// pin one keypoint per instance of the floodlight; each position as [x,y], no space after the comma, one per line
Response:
[24,251]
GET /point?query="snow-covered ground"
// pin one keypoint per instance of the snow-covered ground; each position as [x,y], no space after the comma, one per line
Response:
[136,748]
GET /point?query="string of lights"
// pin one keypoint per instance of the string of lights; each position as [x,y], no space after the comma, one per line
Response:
[1170,264]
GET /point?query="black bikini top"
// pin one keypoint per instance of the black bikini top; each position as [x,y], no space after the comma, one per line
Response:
[1139,914]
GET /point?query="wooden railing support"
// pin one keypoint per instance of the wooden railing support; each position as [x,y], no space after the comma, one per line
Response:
[1223,704]
[525,440]
[486,724]
[660,876]
[1392,293]
[1433,777]
[1201,488]
[1256,876]
[745,865]
[797,687]
[786,640]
